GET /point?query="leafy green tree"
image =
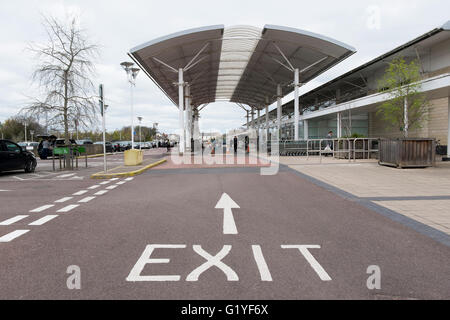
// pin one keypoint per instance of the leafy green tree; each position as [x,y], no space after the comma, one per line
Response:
[407,107]
[14,128]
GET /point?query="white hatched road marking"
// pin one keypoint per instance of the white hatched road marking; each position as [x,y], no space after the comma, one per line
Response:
[43,220]
[87,199]
[100,193]
[64,199]
[80,193]
[13,220]
[13,235]
[94,187]
[68,208]
[40,209]
[111,187]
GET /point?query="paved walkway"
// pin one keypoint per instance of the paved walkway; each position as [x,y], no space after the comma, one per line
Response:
[420,194]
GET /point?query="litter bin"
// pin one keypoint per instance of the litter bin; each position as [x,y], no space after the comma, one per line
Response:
[133,157]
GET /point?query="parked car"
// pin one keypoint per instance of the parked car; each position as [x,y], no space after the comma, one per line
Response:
[84,141]
[29,146]
[13,157]
[108,145]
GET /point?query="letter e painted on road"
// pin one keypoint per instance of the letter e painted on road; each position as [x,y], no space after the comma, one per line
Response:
[135,274]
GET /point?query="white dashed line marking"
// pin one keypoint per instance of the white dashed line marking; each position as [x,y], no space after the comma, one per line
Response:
[100,193]
[105,182]
[94,187]
[87,199]
[68,208]
[40,209]
[114,179]
[43,220]
[64,199]
[111,187]
[80,193]
[129,179]
[12,220]
[121,182]
[13,235]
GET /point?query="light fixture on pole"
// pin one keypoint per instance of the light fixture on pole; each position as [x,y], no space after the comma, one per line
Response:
[132,74]
[140,136]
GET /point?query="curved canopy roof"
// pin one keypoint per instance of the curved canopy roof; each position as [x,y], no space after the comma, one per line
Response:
[240,64]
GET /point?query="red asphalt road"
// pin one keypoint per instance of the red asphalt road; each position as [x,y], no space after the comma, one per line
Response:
[106,236]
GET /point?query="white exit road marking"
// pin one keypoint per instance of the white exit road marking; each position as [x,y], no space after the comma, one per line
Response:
[13,235]
[40,209]
[80,193]
[226,203]
[87,199]
[100,193]
[43,220]
[261,263]
[94,187]
[64,200]
[111,187]
[323,275]
[66,175]
[12,220]
[68,208]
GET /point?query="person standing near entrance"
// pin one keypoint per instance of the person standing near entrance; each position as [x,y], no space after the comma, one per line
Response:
[235,144]
[329,147]
[45,148]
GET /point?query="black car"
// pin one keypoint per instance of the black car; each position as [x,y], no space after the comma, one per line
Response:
[13,157]
[108,146]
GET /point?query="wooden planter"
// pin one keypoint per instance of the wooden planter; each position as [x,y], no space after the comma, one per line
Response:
[407,152]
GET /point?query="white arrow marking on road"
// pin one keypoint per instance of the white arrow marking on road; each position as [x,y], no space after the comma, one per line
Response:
[226,203]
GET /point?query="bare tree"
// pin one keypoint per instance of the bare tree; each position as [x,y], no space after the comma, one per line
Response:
[63,75]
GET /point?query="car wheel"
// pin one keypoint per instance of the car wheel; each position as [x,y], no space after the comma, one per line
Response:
[30,167]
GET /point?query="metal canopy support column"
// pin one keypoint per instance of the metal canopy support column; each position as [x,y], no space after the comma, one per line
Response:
[279,108]
[181,109]
[339,125]
[258,124]
[305,130]
[296,102]
[448,131]
[248,119]
[253,118]
[187,117]
[267,119]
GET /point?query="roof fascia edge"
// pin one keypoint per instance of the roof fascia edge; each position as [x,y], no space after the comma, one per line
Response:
[308,33]
[178,34]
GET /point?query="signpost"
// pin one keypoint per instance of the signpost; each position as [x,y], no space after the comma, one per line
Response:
[102,111]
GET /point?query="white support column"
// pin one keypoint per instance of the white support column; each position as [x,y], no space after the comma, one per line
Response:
[248,119]
[279,108]
[258,121]
[296,102]
[339,125]
[187,115]
[253,118]
[181,109]
[267,122]
[305,130]
[448,130]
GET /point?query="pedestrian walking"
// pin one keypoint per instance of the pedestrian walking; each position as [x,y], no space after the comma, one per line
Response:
[235,144]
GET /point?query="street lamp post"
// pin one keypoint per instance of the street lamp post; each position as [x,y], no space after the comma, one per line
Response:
[140,136]
[32,135]
[132,74]
[25,123]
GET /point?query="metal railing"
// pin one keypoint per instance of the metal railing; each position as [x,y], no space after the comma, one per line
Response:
[341,148]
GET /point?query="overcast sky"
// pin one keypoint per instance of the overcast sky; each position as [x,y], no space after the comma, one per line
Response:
[120,25]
